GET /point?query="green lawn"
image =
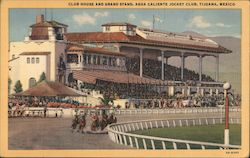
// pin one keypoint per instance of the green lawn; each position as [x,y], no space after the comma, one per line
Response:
[211,133]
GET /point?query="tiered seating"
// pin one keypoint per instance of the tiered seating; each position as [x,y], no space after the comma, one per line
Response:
[152,68]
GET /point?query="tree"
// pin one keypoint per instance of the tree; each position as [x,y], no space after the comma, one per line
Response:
[42,77]
[105,100]
[9,85]
[18,87]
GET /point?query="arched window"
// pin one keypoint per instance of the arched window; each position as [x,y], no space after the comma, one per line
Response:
[32,60]
[32,82]
[28,60]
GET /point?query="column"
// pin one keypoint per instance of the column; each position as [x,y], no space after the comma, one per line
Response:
[91,59]
[217,68]
[79,58]
[200,68]
[108,61]
[162,65]
[166,60]
[182,65]
[101,60]
[141,62]
[87,59]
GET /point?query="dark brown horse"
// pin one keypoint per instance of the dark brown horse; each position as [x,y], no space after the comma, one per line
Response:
[75,122]
[82,123]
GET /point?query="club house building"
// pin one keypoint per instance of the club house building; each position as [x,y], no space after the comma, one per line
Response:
[123,60]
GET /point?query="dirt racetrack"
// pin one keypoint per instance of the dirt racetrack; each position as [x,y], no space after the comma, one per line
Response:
[55,133]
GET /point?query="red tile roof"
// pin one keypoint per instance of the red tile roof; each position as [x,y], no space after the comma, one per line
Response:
[35,53]
[118,24]
[120,37]
[96,37]
[52,23]
[96,50]
[104,51]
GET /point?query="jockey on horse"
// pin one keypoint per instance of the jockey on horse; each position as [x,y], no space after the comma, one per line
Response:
[95,122]
[104,121]
[112,119]
[82,122]
[75,122]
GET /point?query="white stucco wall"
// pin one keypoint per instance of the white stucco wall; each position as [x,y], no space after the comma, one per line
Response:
[32,70]
[48,64]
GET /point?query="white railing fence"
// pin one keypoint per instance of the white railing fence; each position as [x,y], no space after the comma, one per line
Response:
[175,110]
[118,133]
[70,112]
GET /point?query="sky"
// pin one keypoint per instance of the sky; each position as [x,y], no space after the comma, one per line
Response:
[211,22]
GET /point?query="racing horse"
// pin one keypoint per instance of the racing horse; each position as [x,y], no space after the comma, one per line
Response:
[82,123]
[112,119]
[75,122]
[104,121]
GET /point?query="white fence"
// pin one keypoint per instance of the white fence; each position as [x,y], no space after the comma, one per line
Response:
[70,112]
[118,134]
[176,110]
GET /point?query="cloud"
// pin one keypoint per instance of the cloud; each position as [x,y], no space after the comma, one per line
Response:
[199,22]
[101,14]
[146,23]
[131,17]
[84,18]
[222,25]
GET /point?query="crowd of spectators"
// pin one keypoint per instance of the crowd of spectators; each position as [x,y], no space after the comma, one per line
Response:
[152,68]
[182,102]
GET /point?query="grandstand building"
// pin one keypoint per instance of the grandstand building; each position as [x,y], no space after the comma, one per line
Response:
[123,60]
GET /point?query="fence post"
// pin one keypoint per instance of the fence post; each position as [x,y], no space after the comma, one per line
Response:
[137,126]
[116,138]
[168,123]
[151,126]
[186,122]
[120,138]
[129,127]
[188,146]
[174,123]
[119,128]
[146,124]
[136,143]
[125,140]
[180,122]
[156,124]
[144,144]
[153,144]
[141,126]
[126,129]
[174,145]
[133,126]
[202,147]
[163,145]
[130,141]
[162,125]
[206,122]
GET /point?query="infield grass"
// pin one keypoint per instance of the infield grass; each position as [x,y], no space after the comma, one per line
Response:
[210,133]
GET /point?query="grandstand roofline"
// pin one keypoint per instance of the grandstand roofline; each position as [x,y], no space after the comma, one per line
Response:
[118,24]
[120,37]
